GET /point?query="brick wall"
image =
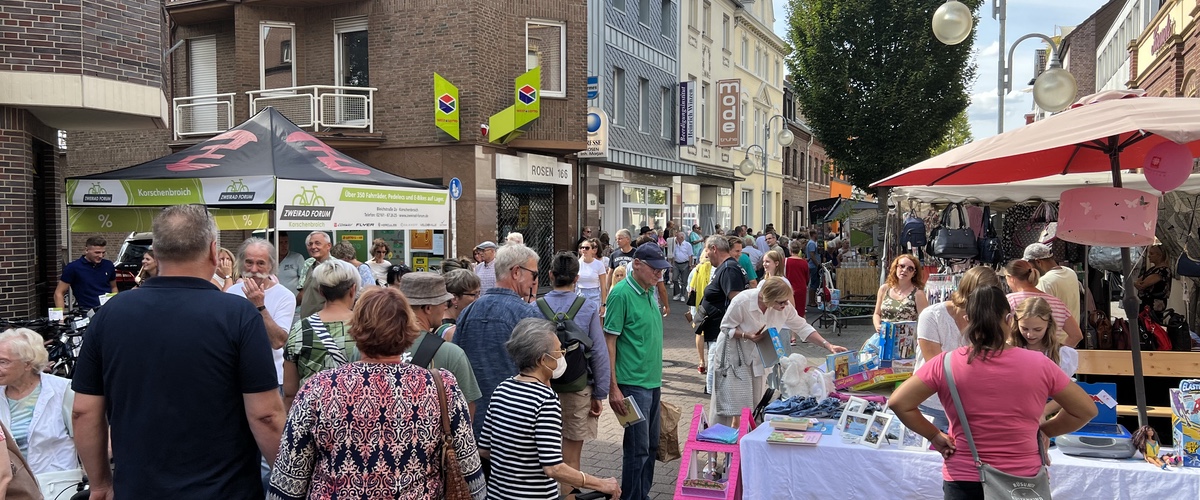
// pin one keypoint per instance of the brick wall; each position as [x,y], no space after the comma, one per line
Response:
[24,143]
[1082,64]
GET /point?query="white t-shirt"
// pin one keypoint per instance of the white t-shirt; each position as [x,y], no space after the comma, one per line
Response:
[589,274]
[379,271]
[744,315]
[935,324]
[281,304]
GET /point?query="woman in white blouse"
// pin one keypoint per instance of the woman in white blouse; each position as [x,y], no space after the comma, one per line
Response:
[746,321]
[593,274]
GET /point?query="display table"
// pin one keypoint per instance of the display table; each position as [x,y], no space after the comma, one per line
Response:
[835,469]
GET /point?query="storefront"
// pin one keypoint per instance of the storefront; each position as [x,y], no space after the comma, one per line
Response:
[527,187]
[1165,56]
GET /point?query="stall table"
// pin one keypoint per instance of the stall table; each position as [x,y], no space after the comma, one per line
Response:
[834,469]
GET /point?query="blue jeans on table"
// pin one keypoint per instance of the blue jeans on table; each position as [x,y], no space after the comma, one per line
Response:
[640,446]
[939,417]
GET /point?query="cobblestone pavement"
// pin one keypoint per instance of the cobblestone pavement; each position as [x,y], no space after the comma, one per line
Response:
[683,386]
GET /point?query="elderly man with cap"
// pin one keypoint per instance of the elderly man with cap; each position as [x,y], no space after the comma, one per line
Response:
[1056,280]
[426,293]
[634,333]
[486,269]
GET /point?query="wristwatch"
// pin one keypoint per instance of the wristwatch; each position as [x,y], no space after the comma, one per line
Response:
[262,308]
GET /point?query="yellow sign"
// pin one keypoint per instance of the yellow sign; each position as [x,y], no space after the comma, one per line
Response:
[420,263]
[352,237]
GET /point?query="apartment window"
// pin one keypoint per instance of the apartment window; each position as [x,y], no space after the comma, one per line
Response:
[545,46]
[618,4]
[747,199]
[778,74]
[706,19]
[668,112]
[745,52]
[351,57]
[644,12]
[666,22]
[276,71]
[643,105]
[704,110]
[619,97]
[758,55]
[758,127]
[202,80]
[692,13]
[742,129]
[725,32]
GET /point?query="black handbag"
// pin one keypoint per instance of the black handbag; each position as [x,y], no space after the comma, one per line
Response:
[990,251]
[1177,330]
[954,243]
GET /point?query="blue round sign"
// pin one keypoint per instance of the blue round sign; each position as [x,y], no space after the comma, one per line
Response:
[455,188]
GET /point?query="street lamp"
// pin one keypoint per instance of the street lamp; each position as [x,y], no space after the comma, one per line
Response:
[746,168]
[1054,89]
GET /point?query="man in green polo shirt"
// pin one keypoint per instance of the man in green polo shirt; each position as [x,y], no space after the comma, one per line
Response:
[634,331]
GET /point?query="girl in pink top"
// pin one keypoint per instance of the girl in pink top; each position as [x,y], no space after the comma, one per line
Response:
[1003,389]
[1022,279]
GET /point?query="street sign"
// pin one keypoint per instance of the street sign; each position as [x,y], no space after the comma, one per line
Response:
[593,89]
[455,188]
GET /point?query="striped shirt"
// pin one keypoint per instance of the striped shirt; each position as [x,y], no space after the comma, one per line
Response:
[1057,308]
[523,430]
[21,415]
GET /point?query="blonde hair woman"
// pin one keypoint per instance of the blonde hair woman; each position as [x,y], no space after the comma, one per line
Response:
[1022,279]
[44,441]
[1036,331]
[699,278]
[226,273]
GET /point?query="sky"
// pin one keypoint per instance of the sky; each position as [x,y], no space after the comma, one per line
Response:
[1023,17]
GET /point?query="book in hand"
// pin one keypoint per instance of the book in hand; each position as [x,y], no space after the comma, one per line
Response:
[632,415]
[794,423]
[794,438]
[770,346]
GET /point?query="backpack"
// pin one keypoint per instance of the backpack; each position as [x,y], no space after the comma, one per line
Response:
[577,343]
[913,232]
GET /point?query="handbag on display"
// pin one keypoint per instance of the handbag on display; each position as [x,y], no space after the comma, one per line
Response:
[1103,326]
[452,476]
[1109,258]
[1120,334]
[1151,334]
[733,385]
[954,242]
[1177,330]
[996,484]
[990,251]
[1185,265]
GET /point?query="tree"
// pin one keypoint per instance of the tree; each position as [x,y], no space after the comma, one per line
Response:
[957,134]
[878,89]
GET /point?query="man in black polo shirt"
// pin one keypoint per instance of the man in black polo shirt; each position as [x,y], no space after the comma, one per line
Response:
[183,376]
[88,278]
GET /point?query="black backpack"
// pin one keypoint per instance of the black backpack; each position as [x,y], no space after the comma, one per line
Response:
[577,343]
[913,232]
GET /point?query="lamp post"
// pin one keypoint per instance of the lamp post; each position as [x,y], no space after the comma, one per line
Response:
[746,168]
[1054,89]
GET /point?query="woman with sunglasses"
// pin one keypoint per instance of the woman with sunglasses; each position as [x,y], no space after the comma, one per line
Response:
[902,297]
[593,274]
[750,314]
[379,264]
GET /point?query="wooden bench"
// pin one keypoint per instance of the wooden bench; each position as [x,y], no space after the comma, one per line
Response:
[1154,364]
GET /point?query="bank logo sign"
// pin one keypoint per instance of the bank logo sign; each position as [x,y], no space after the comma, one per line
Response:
[236,191]
[527,95]
[729,112]
[445,106]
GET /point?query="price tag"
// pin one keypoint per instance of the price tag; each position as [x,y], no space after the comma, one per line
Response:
[1107,399]
[55,314]
[81,323]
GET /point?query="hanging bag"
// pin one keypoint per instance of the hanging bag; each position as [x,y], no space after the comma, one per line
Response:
[954,243]
[733,386]
[1152,335]
[996,484]
[452,476]
[989,244]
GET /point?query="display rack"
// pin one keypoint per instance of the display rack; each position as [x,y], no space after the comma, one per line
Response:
[733,486]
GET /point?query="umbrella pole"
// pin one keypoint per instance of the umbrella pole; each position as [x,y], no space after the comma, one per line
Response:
[1131,313]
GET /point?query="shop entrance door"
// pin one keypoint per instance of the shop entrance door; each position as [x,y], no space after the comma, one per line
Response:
[528,209]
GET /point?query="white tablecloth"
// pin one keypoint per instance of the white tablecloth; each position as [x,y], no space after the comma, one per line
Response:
[835,469]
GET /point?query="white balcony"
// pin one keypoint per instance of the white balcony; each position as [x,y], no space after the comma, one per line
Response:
[320,107]
[202,115]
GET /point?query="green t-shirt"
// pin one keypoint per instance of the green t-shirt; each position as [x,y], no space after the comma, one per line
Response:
[452,358]
[633,316]
[751,274]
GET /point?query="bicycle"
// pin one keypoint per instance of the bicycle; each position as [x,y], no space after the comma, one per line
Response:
[97,189]
[237,187]
[828,305]
[304,198]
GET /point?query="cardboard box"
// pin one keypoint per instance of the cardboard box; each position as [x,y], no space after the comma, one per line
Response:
[1185,421]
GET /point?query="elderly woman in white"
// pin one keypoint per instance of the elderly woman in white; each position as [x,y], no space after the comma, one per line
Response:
[38,408]
[746,321]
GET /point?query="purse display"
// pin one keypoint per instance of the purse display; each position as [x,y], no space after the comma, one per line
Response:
[990,251]
[954,242]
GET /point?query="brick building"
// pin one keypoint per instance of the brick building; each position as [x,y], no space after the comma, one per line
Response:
[359,75]
[1081,46]
[1164,58]
[806,173]
[85,65]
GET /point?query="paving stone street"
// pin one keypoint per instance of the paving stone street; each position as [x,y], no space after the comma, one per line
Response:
[683,386]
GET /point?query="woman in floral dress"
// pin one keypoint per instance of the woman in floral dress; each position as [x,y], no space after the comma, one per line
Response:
[372,429]
[902,297]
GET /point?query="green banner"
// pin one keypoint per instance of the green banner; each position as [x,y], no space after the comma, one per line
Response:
[163,192]
[140,219]
[393,196]
[445,107]
[528,101]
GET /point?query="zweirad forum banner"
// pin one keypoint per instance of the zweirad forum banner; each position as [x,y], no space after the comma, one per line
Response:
[309,205]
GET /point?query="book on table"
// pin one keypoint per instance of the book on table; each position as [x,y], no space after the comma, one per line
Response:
[795,438]
[633,414]
[794,423]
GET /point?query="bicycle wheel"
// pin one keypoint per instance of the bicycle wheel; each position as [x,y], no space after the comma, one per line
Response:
[318,201]
[299,200]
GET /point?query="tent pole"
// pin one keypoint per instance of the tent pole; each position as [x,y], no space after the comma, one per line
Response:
[1127,303]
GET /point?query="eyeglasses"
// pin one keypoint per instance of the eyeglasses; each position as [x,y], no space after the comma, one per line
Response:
[584,247]
[476,294]
[562,352]
[531,271]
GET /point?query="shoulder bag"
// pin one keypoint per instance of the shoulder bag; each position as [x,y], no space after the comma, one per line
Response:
[989,243]
[733,385]
[996,484]
[452,476]
[954,243]
[23,486]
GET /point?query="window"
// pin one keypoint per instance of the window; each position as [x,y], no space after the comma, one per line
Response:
[644,12]
[545,46]
[758,57]
[276,70]
[666,24]
[747,199]
[778,74]
[668,111]
[351,57]
[745,52]
[757,127]
[704,110]
[618,4]
[706,19]
[202,80]
[692,13]
[619,97]
[725,32]
[644,105]
[644,206]
[742,129]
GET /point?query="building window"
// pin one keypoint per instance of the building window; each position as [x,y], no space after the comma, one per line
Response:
[706,19]
[644,105]
[644,206]
[276,71]
[745,52]
[666,24]
[758,127]
[742,129]
[619,97]
[725,32]
[747,199]
[351,57]
[545,45]
[778,74]
[618,4]
[692,13]
[668,110]
[704,110]
[644,12]
[758,56]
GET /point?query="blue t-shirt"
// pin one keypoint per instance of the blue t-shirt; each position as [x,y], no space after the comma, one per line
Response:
[173,359]
[89,281]
[811,253]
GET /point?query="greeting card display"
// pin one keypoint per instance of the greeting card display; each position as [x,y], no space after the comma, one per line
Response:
[897,340]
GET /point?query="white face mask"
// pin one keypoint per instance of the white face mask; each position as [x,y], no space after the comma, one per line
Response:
[560,367]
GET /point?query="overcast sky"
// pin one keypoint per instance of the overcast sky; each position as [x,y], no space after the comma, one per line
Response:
[1024,16]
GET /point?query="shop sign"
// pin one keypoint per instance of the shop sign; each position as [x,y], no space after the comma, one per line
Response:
[306,205]
[687,113]
[445,106]
[593,88]
[533,168]
[597,134]
[729,112]
[1161,36]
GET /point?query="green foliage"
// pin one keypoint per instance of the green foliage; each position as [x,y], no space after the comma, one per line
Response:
[957,134]
[878,89]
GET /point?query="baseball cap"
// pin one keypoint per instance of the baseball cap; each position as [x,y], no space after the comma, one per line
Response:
[652,255]
[645,229]
[1037,251]
[486,245]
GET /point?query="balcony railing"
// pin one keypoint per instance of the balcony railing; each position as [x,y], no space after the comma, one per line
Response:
[320,107]
[202,114]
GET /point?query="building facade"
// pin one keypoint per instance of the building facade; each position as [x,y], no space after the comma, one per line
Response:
[359,75]
[1164,58]
[1112,50]
[65,66]
[806,169]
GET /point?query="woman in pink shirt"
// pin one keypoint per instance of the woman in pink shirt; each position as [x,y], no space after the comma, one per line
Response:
[1022,279]
[1003,389]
